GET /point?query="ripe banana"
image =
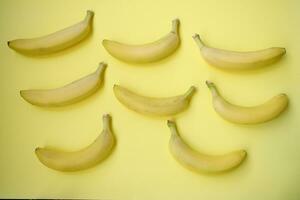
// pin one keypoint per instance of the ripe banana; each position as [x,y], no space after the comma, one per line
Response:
[82,159]
[146,52]
[153,106]
[68,94]
[56,41]
[238,60]
[247,115]
[200,162]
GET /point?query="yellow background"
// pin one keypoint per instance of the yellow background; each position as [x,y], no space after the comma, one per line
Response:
[141,166]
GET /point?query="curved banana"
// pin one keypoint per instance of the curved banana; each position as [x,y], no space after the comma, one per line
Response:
[68,94]
[82,159]
[238,60]
[146,52]
[247,115]
[200,162]
[56,41]
[153,106]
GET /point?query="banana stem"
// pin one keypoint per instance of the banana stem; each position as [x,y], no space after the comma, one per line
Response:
[198,41]
[190,92]
[213,88]
[175,26]
[106,121]
[173,127]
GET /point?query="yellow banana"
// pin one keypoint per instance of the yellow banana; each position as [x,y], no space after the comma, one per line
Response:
[238,60]
[82,159]
[153,106]
[68,94]
[200,162]
[56,41]
[247,115]
[146,52]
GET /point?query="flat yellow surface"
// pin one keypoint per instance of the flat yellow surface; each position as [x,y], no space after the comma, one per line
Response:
[141,166]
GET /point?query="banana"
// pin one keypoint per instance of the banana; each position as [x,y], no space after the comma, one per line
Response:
[238,60]
[200,162]
[56,41]
[153,106]
[68,94]
[82,159]
[146,52]
[247,115]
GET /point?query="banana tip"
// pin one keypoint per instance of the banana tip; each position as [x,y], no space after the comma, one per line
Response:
[37,149]
[104,41]
[283,94]
[170,123]
[190,92]
[193,88]
[196,35]
[243,153]
[22,93]
[8,43]
[102,64]
[106,116]
[209,83]
[176,20]
[90,12]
